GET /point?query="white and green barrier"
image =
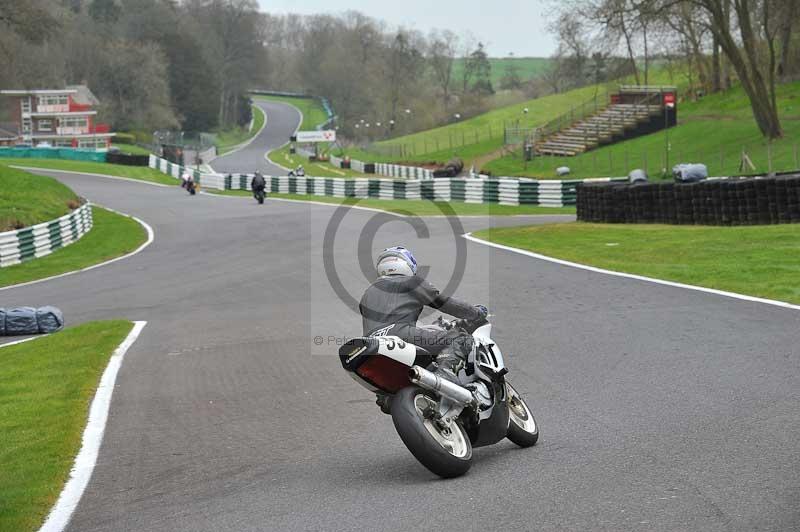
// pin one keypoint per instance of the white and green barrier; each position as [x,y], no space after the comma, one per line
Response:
[42,239]
[504,190]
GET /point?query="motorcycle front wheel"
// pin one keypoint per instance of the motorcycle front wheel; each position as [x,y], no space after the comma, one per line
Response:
[444,448]
[522,427]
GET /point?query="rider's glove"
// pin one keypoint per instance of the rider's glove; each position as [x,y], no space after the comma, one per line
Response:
[484,312]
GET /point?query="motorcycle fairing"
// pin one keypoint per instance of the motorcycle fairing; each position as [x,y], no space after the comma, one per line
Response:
[381,363]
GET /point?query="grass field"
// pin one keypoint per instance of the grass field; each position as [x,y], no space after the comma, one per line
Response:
[142,173]
[714,131]
[27,199]
[46,387]
[231,138]
[758,261]
[527,68]
[111,236]
[421,207]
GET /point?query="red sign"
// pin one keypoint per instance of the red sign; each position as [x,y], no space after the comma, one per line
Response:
[669,99]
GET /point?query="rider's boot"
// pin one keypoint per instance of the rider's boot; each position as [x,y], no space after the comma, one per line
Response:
[454,356]
[447,366]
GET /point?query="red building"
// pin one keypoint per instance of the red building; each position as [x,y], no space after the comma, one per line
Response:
[58,118]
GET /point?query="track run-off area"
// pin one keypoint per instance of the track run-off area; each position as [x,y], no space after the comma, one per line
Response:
[661,408]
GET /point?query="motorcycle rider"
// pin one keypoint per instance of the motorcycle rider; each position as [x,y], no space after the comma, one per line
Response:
[392,304]
[258,184]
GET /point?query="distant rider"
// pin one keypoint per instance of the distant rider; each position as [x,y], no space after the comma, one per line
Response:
[392,304]
[258,184]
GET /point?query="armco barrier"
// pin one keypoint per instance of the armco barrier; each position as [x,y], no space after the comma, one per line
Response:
[504,190]
[712,202]
[72,154]
[42,239]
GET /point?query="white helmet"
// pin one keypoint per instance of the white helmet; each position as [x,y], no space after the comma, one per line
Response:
[396,261]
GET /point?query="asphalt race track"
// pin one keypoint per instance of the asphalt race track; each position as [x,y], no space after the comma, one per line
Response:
[282,121]
[661,408]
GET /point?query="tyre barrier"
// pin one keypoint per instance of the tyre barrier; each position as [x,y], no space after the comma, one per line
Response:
[127,159]
[42,239]
[751,201]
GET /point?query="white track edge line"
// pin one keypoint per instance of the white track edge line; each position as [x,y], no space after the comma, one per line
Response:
[299,125]
[83,467]
[131,179]
[150,238]
[17,342]
[311,202]
[246,143]
[733,295]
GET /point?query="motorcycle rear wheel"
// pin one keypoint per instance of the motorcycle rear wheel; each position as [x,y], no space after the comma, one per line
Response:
[522,427]
[445,451]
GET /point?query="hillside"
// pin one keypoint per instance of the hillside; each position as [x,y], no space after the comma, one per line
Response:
[714,131]
[527,68]
[481,137]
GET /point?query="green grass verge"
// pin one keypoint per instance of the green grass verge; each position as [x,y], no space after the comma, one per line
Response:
[313,112]
[131,149]
[230,139]
[420,207]
[112,235]
[142,173]
[28,199]
[46,387]
[713,131]
[316,169]
[759,260]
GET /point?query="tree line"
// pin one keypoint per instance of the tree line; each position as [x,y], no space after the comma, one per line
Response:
[717,41]
[154,64]
[169,64]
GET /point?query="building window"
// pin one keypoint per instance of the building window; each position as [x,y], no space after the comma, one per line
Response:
[45,125]
[74,122]
[54,99]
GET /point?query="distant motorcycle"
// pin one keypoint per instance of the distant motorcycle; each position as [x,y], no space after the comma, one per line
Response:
[297,172]
[259,195]
[191,186]
[439,421]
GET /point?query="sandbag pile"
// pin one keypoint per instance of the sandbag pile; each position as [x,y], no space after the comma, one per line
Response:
[756,201]
[689,173]
[28,320]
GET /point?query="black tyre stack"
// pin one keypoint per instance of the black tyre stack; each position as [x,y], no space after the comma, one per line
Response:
[751,201]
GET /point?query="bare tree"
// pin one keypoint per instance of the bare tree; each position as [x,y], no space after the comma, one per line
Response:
[442,50]
[756,24]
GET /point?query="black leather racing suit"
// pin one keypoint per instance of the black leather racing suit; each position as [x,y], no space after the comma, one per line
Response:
[392,304]
[258,184]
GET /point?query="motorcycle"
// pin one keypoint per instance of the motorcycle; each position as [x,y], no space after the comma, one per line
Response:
[191,186]
[297,172]
[439,421]
[259,195]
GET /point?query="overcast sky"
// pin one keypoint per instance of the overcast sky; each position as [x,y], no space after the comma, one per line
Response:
[505,26]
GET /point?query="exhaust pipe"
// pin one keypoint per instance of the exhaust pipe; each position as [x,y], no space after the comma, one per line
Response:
[430,381]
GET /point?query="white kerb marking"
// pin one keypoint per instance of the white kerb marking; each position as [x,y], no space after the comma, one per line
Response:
[92,438]
[723,293]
